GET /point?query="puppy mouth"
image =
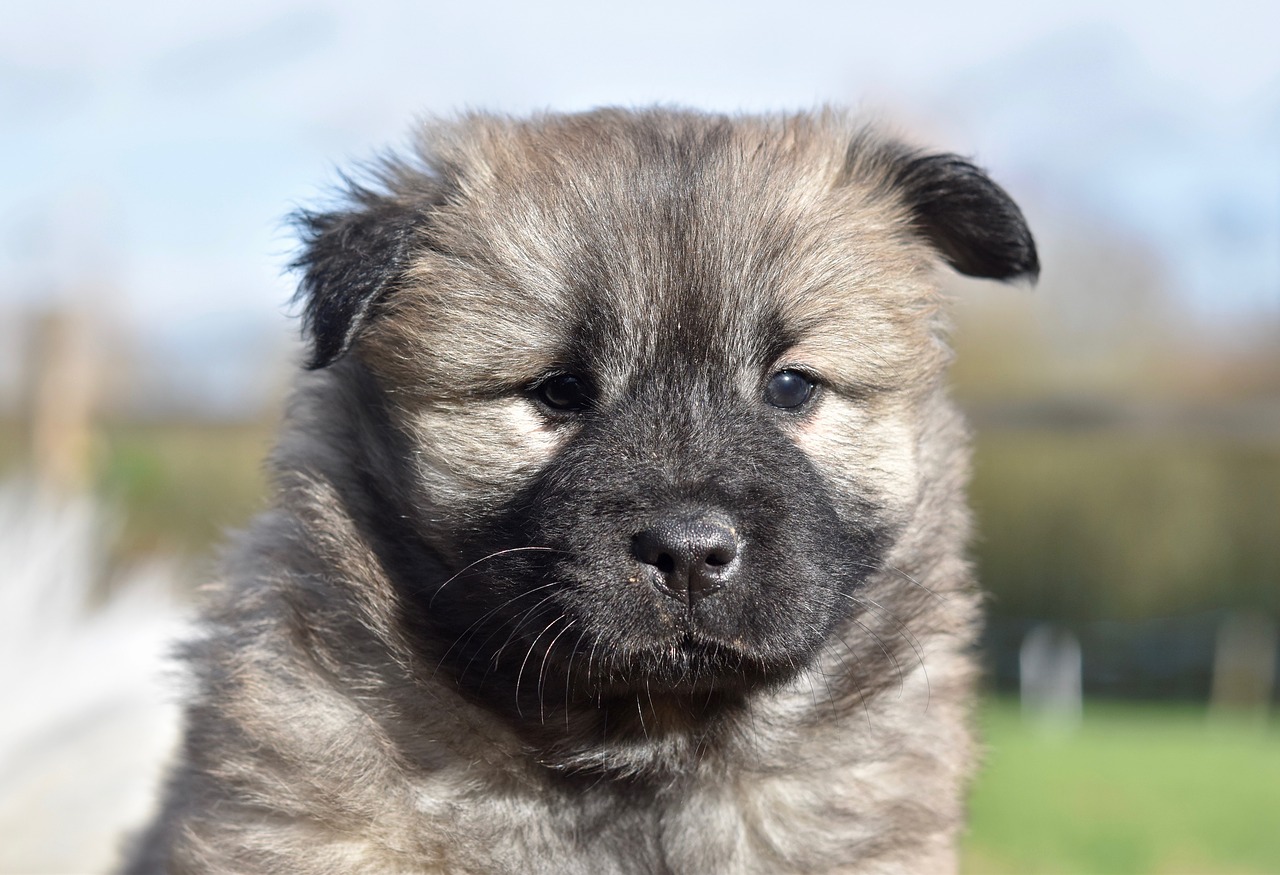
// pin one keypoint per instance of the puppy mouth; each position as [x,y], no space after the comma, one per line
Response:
[690,664]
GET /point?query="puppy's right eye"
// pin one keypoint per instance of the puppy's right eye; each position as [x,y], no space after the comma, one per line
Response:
[564,392]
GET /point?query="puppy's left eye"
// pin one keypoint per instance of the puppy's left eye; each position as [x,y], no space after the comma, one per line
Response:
[564,392]
[789,390]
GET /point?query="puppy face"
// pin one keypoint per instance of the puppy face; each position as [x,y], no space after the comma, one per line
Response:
[652,387]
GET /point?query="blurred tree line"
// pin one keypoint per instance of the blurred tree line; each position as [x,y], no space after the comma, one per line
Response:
[1113,525]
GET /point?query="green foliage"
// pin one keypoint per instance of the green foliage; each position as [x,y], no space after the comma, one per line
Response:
[1138,789]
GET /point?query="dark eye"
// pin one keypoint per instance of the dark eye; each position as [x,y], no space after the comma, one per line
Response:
[564,392]
[789,389]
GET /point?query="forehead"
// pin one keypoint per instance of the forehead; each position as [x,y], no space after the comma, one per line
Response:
[630,240]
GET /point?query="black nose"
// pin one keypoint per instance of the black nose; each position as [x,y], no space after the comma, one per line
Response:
[694,553]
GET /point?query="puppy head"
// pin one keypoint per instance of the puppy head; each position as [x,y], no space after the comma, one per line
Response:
[653,385]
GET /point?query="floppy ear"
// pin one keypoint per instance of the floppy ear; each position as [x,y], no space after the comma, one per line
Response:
[349,260]
[969,219]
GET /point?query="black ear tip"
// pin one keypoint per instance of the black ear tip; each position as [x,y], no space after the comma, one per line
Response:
[1031,274]
[1025,255]
[1022,262]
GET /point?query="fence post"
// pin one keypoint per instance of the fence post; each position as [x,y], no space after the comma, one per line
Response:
[1244,664]
[61,396]
[1050,668]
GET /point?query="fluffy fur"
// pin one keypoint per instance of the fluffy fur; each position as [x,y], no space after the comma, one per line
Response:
[448,648]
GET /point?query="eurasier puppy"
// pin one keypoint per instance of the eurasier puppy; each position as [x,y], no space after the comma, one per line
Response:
[618,523]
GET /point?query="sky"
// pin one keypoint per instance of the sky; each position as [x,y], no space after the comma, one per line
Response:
[148,152]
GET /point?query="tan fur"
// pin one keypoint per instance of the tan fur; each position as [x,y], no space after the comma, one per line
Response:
[323,738]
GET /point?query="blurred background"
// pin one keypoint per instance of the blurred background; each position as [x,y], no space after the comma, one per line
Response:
[1127,411]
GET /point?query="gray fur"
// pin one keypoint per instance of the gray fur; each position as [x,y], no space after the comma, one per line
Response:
[678,260]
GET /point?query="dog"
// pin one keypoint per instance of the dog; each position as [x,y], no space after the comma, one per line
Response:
[619,519]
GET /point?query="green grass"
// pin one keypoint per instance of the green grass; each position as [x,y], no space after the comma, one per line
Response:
[1137,789]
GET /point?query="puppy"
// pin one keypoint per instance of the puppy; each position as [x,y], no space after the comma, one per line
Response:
[619,521]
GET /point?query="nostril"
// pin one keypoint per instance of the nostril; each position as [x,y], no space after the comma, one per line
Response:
[719,558]
[665,563]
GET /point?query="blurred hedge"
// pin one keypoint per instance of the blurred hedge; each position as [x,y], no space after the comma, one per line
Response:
[1115,525]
